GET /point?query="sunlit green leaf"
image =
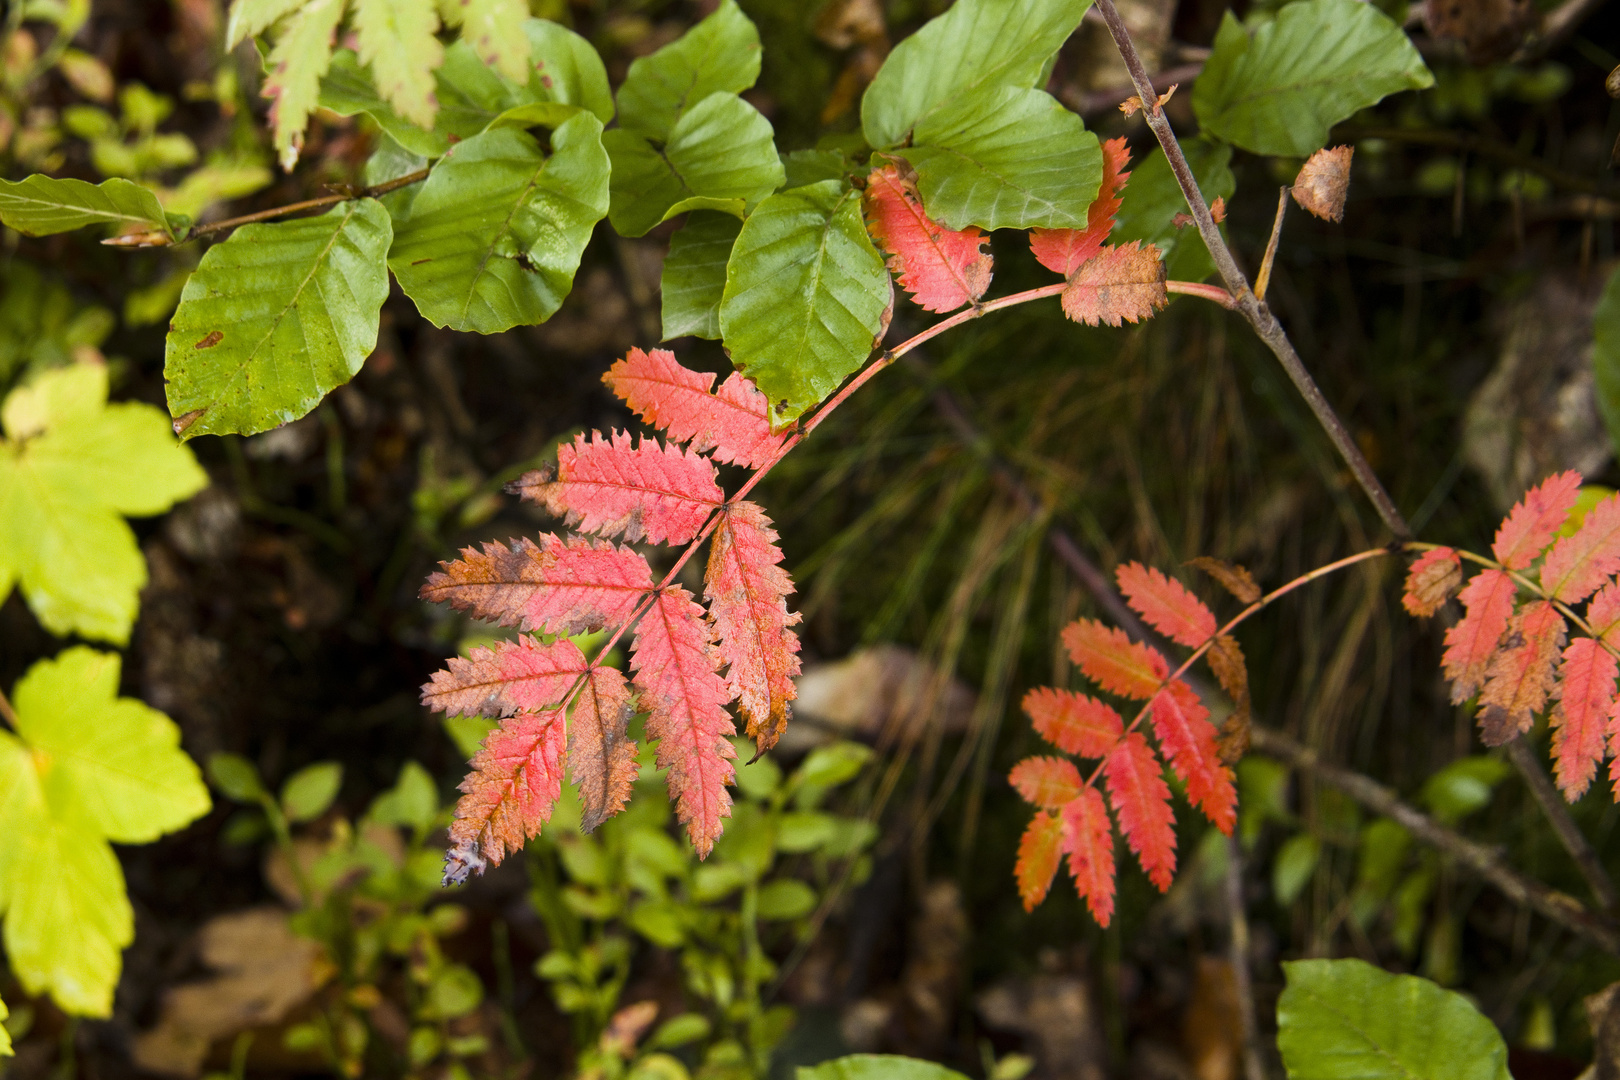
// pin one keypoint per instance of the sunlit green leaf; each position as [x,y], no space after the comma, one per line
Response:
[1294,865]
[786,898]
[963,57]
[249,18]
[719,55]
[71,467]
[276,317]
[497,230]
[1347,1020]
[1463,786]
[1009,158]
[412,801]
[719,156]
[235,777]
[694,275]
[42,205]
[1281,90]
[877,1067]
[309,791]
[806,295]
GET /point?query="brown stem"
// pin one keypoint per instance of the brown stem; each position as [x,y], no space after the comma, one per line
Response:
[6,712]
[1242,982]
[1263,278]
[1561,908]
[1253,309]
[1552,804]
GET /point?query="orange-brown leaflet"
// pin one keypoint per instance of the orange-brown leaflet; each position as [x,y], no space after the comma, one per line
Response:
[601,755]
[1521,674]
[559,587]
[515,780]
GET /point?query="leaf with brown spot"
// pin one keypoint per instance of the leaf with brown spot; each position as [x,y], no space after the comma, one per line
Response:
[1431,581]
[1123,284]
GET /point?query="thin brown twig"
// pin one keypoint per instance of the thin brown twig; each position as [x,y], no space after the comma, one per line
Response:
[1552,804]
[1251,307]
[1263,278]
[7,714]
[1557,906]
[1243,983]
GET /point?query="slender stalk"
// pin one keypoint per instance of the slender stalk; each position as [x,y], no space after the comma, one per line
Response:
[1552,805]
[1251,307]
[1243,983]
[6,712]
[1263,278]
[1559,907]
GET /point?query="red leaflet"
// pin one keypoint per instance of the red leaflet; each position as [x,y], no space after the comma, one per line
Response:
[1585,689]
[1113,661]
[1088,838]
[1063,250]
[1433,578]
[1521,675]
[735,423]
[1166,604]
[1188,739]
[1536,519]
[649,490]
[1577,564]
[1047,782]
[561,587]
[1038,854]
[515,781]
[511,677]
[674,666]
[940,268]
[1072,722]
[601,756]
[1488,603]
[1603,613]
[1121,284]
[747,593]
[1142,800]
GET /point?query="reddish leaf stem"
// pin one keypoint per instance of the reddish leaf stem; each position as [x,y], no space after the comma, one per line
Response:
[8,714]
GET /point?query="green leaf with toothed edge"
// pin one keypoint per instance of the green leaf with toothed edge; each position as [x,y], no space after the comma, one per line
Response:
[1281,90]
[806,296]
[277,317]
[497,230]
[42,205]
[1007,159]
[719,156]
[694,277]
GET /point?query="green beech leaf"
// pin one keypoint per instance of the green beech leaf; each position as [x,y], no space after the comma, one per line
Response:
[5,1036]
[567,69]
[388,162]
[276,317]
[70,467]
[970,51]
[719,55]
[719,157]
[877,1067]
[1606,355]
[1317,63]
[1006,159]
[398,42]
[295,65]
[84,766]
[309,791]
[1153,198]
[694,276]
[42,205]
[1347,1020]
[497,230]
[806,295]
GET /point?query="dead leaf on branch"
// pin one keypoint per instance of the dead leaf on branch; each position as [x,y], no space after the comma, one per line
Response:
[1323,183]
[1123,284]
[1233,578]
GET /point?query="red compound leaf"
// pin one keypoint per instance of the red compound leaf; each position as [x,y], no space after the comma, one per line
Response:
[560,587]
[747,591]
[734,423]
[1431,580]
[1488,604]
[1167,605]
[1064,250]
[601,755]
[1142,800]
[1585,691]
[649,491]
[1047,782]
[1122,284]
[1521,674]
[1187,738]
[1038,854]
[1577,564]
[675,664]
[510,677]
[1072,722]
[942,269]
[1536,519]
[1113,661]
[1088,840]
[515,781]
[1603,613]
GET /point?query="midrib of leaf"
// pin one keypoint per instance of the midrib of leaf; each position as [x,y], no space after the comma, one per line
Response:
[506,228]
[315,266]
[752,601]
[620,485]
[61,206]
[815,284]
[933,245]
[1376,1046]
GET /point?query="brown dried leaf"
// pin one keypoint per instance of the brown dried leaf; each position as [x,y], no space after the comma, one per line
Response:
[1231,577]
[1323,182]
[1225,658]
[1123,284]
[1217,209]
[1520,675]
